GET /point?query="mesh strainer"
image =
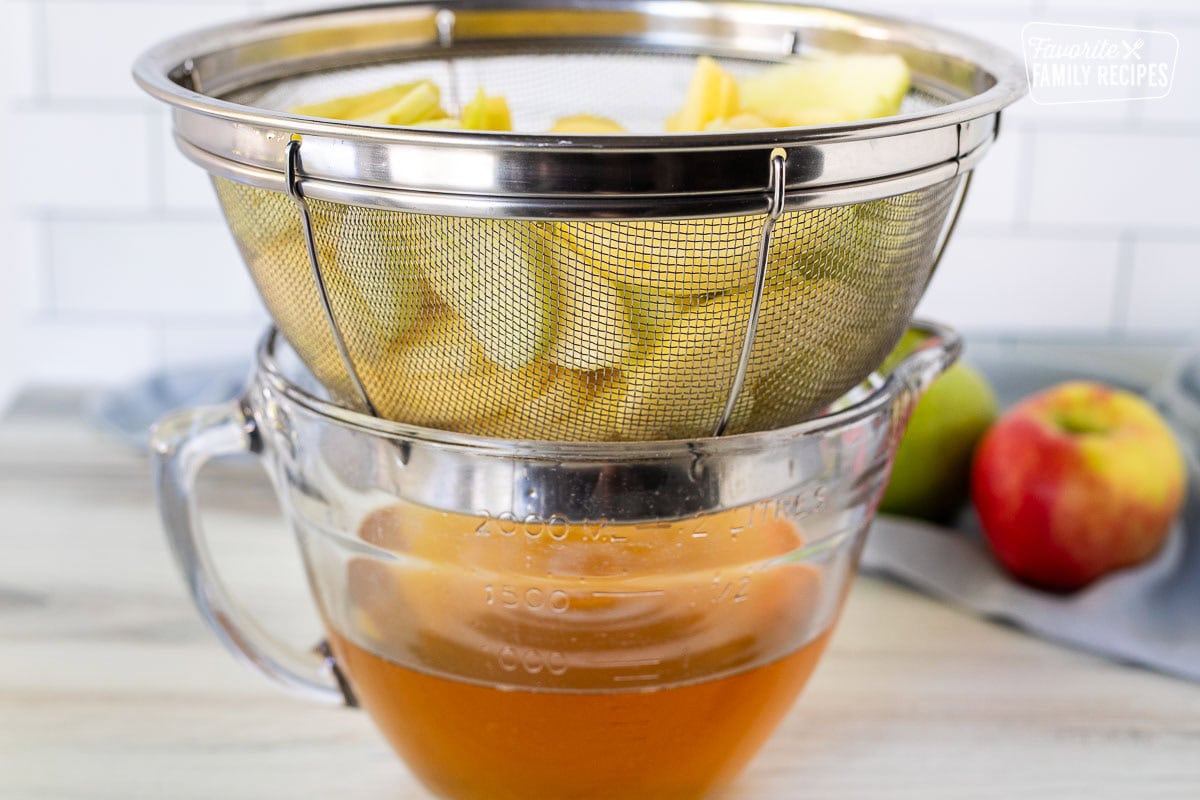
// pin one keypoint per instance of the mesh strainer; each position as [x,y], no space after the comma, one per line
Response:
[580,287]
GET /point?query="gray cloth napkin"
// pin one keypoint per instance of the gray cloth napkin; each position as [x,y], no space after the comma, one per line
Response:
[1148,615]
[130,411]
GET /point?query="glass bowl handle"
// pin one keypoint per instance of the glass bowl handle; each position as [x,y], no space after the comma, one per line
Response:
[933,356]
[182,444]
[937,351]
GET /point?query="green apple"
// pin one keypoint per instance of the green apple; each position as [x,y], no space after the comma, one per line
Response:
[932,471]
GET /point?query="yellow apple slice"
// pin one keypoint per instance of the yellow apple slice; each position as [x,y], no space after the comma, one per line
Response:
[800,361]
[373,266]
[422,102]
[678,388]
[558,414]
[497,276]
[439,376]
[593,322]
[356,106]
[745,121]
[712,94]
[402,104]
[653,314]
[674,257]
[805,357]
[586,123]
[447,123]
[486,113]
[826,90]
[689,258]
[375,292]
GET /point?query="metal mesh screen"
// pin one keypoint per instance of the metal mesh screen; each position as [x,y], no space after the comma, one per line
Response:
[606,330]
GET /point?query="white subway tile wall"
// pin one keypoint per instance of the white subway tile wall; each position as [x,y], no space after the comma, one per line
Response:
[1080,223]
[80,63]
[1036,283]
[80,161]
[1165,286]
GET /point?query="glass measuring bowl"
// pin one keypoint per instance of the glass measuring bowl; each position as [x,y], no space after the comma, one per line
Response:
[553,620]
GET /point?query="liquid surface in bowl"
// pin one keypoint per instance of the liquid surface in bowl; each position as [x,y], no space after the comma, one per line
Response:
[534,660]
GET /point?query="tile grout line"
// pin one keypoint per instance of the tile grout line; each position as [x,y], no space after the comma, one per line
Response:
[1097,337]
[82,215]
[150,318]
[1026,171]
[44,263]
[160,345]
[83,104]
[155,166]
[1122,291]
[41,51]
[1070,230]
[1137,110]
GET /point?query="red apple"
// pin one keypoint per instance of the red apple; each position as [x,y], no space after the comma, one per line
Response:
[1075,482]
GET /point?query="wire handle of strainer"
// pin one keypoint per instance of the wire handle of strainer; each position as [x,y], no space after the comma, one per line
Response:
[292,177]
[776,186]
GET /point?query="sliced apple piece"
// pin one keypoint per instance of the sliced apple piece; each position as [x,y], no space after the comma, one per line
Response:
[497,276]
[827,90]
[814,242]
[421,103]
[401,104]
[586,123]
[447,123]
[375,293]
[653,314]
[593,324]
[688,258]
[486,113]
[372,268]
[679,384]
[675,257]
[805,356]
[678,388]
[358,105]
[561,413]
[712,94]
[744,121]
[439,376]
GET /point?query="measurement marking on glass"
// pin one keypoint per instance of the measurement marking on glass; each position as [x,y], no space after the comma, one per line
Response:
[649,677]
[647,593]
[632,662]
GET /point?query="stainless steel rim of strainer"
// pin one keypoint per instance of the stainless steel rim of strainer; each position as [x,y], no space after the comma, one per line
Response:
[544,176]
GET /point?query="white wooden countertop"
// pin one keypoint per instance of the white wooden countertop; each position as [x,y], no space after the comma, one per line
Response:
[111,688]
